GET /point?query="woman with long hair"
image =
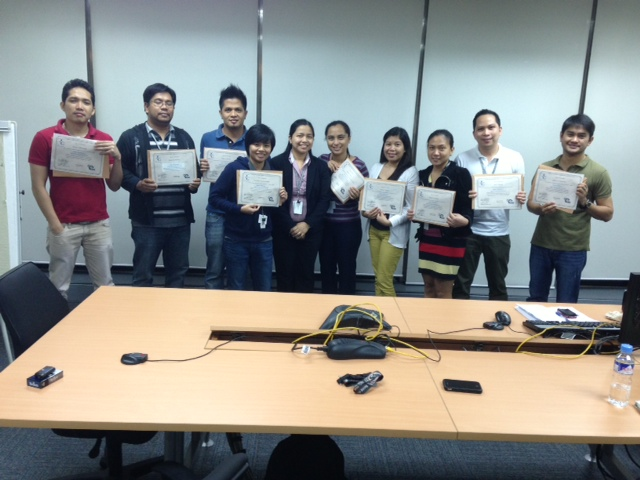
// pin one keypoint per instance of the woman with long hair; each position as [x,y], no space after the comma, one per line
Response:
[297,231]
[342,232]
[388,235]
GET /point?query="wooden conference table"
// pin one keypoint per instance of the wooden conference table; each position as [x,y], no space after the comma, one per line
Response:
[265,388]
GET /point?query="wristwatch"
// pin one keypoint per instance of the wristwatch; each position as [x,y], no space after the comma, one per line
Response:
[588,204]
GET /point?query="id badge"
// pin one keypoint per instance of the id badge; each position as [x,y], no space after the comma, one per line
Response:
[262,221]
[297,207]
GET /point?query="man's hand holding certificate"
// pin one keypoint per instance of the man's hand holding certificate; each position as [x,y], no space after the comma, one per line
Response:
[172,167]
[217,159]
[497,191]
[433,205]
[346,177]
[77,157]
[386,195]
[557,186]
[261,188]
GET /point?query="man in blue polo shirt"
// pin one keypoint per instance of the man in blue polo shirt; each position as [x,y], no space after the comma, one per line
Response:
[230,135]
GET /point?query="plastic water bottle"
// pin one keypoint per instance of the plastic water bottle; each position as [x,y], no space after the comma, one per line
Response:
[620,391]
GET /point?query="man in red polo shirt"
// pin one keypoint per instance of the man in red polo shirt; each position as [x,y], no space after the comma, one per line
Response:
[75,208]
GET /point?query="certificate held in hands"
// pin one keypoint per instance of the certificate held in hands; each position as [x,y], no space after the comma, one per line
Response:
[387,195]
[497,191]
[344,178]
[77,157]
[172,167]
[218,158]
[557,186]
[433,205]
[260,188]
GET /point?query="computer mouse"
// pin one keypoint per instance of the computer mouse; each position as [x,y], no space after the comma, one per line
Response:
[134,358]
[493,326]
[352,348]
[503,318]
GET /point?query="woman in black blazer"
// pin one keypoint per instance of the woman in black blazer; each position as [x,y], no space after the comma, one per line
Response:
[297,224]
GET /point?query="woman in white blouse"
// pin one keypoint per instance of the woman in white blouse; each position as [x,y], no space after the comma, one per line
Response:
[388,235]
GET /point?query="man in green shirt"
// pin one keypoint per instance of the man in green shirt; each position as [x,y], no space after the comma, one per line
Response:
[561,240]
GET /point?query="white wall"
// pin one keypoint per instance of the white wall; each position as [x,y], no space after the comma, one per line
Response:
[357,61]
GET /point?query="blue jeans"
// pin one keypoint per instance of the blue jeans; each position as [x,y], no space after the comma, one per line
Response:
[244,257]
[568,267]
[174,245]
[214,237]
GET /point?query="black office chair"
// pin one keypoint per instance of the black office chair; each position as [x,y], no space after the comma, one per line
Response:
[30,306]
[234,467]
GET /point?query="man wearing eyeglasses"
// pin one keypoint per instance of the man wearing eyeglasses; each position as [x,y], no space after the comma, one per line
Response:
[490,229]
[161,215]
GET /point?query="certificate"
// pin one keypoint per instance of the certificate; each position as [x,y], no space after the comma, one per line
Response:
[218,158]
[497,191]
[259,188]
[172,167]
[344,178]
[387,195]
[77,157]
[433,205]
[558,186]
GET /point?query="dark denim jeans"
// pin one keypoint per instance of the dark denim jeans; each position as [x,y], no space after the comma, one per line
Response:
[568,267]
[174,245]
[214,237]
[253,257]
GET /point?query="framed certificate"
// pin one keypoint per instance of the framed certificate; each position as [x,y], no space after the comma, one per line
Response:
[558,186]
[77,157]
[218,158]
[344,178]
[433,205]
[387,195]
[172,167]
[257,187]
[497,191]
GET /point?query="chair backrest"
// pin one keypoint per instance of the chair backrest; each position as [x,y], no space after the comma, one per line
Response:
[30,305]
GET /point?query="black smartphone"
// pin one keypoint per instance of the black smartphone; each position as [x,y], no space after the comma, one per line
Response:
[566,313]
[465,386]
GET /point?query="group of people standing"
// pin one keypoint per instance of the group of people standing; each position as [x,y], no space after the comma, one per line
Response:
[246,240]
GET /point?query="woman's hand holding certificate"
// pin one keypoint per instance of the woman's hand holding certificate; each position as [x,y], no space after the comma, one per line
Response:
[346,177]
[433,205]
[386,195]
[260,188]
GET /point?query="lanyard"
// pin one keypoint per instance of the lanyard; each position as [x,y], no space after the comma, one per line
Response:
[169,138]
[495,165]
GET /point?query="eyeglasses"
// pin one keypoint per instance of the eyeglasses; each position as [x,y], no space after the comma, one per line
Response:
[159,103]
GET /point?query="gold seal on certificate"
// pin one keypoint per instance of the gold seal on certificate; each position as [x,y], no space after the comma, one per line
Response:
[77,157]
[218,158]
[558,186]
[260,188]
[433,205]
[497,191]
[344,178]
[387,195]
[172,167]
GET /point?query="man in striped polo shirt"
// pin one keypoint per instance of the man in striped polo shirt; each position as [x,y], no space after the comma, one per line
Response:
[161,216]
